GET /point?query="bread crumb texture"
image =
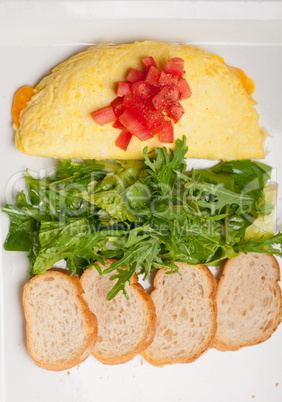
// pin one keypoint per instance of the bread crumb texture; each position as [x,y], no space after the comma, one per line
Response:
[186,315]
[59,325]
[248,301]
[125,327]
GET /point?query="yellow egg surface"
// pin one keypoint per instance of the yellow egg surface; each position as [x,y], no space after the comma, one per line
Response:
[220,121]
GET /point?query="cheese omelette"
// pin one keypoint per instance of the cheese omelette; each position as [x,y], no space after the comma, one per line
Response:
[220,121]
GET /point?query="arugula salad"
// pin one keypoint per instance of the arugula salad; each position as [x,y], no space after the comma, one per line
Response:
[144,214]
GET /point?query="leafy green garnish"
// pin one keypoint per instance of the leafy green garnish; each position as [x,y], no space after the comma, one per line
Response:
[145,214]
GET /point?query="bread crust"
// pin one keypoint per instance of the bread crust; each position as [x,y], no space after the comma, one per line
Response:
[218,343]
[151,321]
[212,295]
[89,317]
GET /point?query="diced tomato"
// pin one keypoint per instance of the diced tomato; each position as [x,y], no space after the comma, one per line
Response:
[151,118]
[123,140]
[117,106]
[165,79]
[174,80]
[148,62]
[133,103]
[175,110]
[134,126]
[144,111]
[124,88]
[166,133]
[178,60]
[142,89]
[138,108]
[165,96]
[104,116]
[175,67]
[175,94]
[168,80]
[135,75]
[153,76]
[184,89]
[117,124]
[155,120]
[161,99]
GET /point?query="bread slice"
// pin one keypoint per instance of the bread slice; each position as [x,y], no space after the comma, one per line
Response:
[248,300]
[61,331]
[125,327]
[186,315]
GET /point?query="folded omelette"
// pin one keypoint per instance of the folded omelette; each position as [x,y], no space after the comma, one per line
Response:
[220,121]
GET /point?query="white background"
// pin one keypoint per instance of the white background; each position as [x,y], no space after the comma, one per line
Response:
[34,37]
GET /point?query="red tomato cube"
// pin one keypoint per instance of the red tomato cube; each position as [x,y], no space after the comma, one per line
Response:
[153,76]
[174,80]
[175,67]
[153,119]
[178,60]
[163,97]
[134,126]
[123,140]
[144,111]
[184,89]
[166,133]
[124,88]
[117,106]
[142,89]
[104,115]
[174,94]
[135,75]
[168,80]
[148,62]
[175,110]
[117,124]
[133,103]
[156,121]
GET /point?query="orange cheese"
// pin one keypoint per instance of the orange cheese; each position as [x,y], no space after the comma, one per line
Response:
[21,99]
[247,82]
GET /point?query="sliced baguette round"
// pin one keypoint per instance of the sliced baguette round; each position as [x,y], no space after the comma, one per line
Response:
[61,331]
[125,327]
[186,315]
[249,301]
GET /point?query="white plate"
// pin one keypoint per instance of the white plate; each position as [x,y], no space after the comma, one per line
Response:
[34,37]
